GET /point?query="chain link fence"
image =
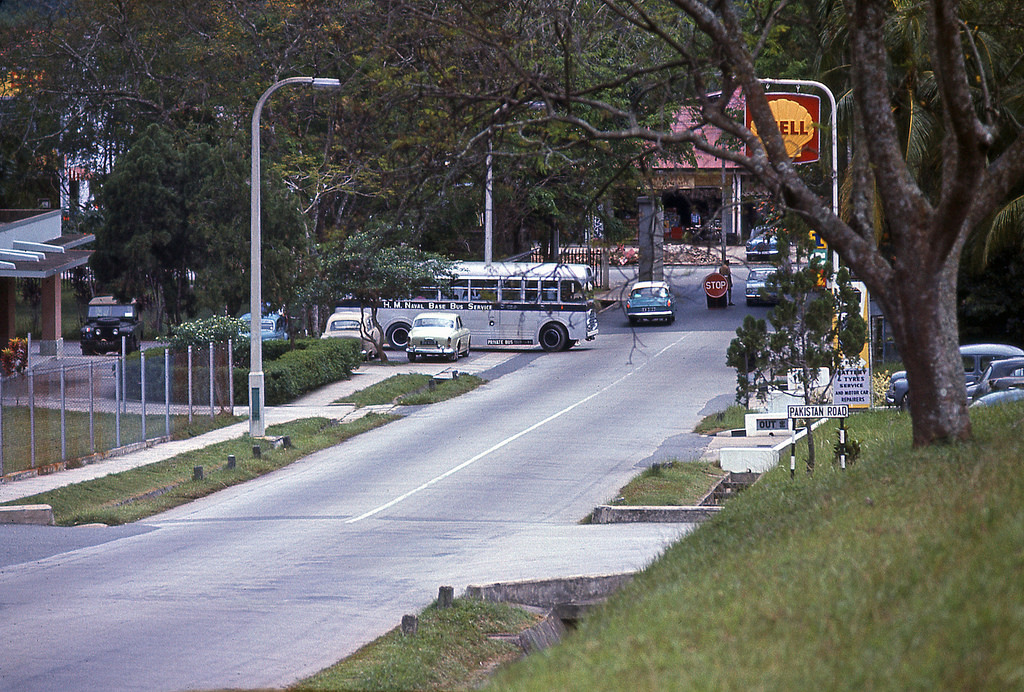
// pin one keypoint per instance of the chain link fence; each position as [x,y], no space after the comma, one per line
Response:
[61,414]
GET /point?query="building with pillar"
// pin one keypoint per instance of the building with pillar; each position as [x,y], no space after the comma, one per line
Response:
[32,247]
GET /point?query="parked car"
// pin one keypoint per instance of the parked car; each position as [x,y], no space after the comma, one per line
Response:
[107,321]
[999,375]
[272,326]
[349,324]
[650,300]
[438,334]
[758,291]
[999,397]
[976,357]
[763,245]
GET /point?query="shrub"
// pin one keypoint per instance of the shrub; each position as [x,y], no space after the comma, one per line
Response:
[312,364]
[211,329]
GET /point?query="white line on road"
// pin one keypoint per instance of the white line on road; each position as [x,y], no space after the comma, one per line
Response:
[507,440]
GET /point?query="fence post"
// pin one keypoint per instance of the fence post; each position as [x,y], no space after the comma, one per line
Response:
[124,372]
[63,417]
[92,397]
[190,385]
[32,415]
[167,392]
[231,378]
[211,381]
[142,384]
[1,425]
[117,403]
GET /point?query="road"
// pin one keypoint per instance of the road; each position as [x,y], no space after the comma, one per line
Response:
[264,583]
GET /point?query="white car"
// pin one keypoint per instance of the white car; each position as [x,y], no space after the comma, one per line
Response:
[438,334]
[350,324]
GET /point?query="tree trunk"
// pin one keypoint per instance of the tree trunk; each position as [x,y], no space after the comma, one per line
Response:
[921,308]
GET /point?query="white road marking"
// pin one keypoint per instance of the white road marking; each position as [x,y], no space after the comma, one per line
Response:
[508,440]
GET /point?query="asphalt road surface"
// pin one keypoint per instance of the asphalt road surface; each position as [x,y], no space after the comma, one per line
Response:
[265,583]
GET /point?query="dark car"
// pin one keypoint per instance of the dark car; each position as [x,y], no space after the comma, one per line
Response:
[1000,375]
[976,358]
[108,320]
[763,245]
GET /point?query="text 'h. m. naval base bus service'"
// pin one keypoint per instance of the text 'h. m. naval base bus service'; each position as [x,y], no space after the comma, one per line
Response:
[506,304]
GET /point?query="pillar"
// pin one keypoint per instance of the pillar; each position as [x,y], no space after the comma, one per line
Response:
[651,240]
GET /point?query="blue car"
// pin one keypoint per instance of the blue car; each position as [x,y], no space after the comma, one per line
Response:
[272,326]
[650,300]
[763,245]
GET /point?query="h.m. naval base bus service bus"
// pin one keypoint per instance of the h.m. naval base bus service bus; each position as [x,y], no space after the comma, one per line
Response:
[506,304]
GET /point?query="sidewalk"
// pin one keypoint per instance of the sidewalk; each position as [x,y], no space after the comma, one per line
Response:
[315,404]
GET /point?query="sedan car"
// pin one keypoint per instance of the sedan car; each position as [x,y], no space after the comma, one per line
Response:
[999,375]
[758,291]
[763,245]
[272,326]
[650,300]
[1000,397]
[976,358]
[349,324]
[438,334]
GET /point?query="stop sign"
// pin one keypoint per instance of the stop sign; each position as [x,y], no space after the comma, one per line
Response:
[715,285]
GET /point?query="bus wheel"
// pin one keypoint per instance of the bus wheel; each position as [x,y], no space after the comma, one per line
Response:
[398,336]
[553,337]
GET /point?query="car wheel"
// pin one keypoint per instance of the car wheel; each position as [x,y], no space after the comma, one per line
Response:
[398,336]
[88,351]
[454,357]
[671,319]
[634,321]
[553,337]
[413,357]
[904,404]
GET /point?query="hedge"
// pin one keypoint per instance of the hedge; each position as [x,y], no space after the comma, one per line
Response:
[314,363]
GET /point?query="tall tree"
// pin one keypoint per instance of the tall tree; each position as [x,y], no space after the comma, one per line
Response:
[700,56]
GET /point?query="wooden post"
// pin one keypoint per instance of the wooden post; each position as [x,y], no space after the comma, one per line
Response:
[445,595]
[410,624]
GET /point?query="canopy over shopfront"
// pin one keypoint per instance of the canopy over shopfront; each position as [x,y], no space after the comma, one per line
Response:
[32,247]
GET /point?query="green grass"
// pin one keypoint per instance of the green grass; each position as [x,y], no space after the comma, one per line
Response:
[412,390]
[18,449]
[729,419]
[906,571]
[138,493]
[675,483]
[451,650]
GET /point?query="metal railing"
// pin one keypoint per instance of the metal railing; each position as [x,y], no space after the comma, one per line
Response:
[59,414]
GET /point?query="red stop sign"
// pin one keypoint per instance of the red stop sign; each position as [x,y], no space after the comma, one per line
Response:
[715,285]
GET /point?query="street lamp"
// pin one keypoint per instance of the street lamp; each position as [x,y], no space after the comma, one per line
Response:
[257,416]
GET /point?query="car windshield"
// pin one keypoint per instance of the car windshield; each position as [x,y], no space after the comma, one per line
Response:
[759,274]
[112,311]
[649,292]
[434,322]
[342,325]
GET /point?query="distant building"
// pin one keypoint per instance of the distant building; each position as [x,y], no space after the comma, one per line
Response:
[33,247]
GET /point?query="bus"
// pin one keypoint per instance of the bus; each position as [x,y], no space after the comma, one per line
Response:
[506,304]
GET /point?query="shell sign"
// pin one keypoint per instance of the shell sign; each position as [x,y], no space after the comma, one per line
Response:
[797,116]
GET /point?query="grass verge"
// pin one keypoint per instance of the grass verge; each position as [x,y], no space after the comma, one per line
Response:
[729,419]
[412,390]
[902,572]
[138,493]
[673,483]
[453,649]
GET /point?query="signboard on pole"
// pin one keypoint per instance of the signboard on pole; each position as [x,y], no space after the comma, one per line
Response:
[817,411]
[715,285]
[798,117]
[852,386]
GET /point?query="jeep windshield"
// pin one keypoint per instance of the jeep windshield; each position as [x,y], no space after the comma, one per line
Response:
[118,311]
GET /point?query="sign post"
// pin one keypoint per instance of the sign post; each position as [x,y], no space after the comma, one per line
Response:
[841,411]
[716,286]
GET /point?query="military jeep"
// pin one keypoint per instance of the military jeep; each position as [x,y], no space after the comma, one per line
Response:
[107,321]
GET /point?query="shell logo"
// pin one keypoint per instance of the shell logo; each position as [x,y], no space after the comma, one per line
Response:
[797,116]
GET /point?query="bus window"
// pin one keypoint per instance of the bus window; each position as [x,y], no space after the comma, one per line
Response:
[572,292]
[549,291]
[459,290]
[483,289]
[531,291]
[512,290]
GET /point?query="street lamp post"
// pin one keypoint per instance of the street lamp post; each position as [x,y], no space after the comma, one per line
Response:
[257,415]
